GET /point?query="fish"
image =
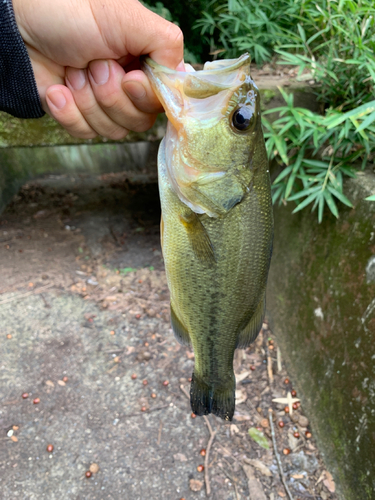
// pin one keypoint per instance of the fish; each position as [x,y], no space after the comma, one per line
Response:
[217,220]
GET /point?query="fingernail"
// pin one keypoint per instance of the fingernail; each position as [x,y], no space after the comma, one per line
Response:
[76,78]
[134,89]
[100,72]
[57,98]
[181,66]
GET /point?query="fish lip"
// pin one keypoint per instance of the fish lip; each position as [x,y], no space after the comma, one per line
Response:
[147,62]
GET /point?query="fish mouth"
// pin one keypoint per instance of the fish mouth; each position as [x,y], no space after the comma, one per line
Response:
[182,92]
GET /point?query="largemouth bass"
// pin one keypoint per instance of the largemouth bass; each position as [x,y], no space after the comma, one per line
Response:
[217,222]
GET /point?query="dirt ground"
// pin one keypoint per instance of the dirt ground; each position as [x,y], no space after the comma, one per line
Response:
[89,365]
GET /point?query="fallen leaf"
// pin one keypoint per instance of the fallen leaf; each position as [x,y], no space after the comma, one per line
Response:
[195,485]
[61,382]
[281,494]
[256,491]
[180,456]
[259,465]
[241,418]
[241,396]
[234,429]
[297,476]
[259,438]
[50,383]
[189,355]
[241,376]
[329,483]
[14,439]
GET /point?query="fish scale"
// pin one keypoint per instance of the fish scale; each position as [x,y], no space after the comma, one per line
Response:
[217,230]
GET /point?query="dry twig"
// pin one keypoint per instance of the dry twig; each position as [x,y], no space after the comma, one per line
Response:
[160,429]
[278,459]
[26,294]
[208,448]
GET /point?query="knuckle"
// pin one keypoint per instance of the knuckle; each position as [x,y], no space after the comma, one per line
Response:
[144,124]
[117,134]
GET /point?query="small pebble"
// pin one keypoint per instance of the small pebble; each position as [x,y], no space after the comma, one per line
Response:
[94,468]
[153,395]
[200,468]
[9,336]
[50,448]
[36,401]
[112,332]
[146,344]
[264,423]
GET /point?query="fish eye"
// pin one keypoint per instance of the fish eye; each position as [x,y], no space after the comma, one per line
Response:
[243,118]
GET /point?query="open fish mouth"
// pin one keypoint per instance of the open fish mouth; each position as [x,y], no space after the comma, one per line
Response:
[178,91]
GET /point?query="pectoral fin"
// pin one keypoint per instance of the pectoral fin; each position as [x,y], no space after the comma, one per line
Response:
[198,237]
[179,330]
[250,332]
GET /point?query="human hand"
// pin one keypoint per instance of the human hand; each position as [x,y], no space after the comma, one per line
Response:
[85,57]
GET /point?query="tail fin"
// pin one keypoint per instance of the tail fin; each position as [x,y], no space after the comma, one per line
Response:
[205,399]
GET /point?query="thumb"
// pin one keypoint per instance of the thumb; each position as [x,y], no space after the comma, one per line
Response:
[151,34]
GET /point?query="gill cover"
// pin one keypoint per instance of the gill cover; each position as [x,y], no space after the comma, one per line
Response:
[213,125]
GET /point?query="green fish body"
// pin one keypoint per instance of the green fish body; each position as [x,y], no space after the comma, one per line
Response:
[217,223]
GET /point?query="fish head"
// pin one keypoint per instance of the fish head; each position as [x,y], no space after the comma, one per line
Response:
[213,130]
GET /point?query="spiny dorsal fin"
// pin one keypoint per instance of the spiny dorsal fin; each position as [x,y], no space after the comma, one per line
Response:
[179,330]
[250,332]
[198,237]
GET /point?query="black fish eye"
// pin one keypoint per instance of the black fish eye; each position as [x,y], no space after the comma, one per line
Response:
[243,118]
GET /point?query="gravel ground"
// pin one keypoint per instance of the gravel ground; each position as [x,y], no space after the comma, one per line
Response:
[89,365]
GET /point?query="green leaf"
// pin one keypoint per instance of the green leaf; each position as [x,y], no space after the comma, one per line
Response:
[306,201]
[259,438]
[340,196]
[283,174]
[370,198]
[127,270]
[331,203]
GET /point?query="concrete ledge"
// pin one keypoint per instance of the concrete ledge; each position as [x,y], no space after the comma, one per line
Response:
[321,299]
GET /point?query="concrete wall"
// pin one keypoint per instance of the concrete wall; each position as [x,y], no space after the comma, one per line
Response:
[321,300]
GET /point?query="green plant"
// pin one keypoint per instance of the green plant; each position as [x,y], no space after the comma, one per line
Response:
[335,43]
[238,26]
[315,152]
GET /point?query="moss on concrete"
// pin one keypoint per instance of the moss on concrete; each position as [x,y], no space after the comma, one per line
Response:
[323,313]
[45,131]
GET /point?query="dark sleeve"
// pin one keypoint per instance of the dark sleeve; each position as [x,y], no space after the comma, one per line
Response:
[18,91]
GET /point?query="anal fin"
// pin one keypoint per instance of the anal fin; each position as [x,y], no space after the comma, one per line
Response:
[250,332]
[198,237]
[179,330]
